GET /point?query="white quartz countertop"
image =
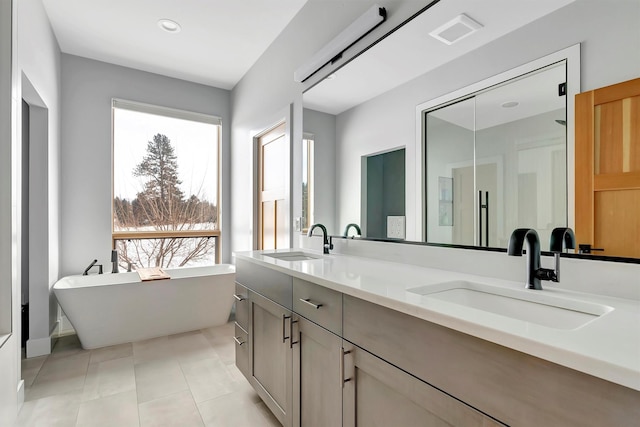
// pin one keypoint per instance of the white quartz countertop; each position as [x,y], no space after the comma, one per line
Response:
[607,347]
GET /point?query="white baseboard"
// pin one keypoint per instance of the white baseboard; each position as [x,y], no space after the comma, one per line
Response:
[20,394]
[38,347]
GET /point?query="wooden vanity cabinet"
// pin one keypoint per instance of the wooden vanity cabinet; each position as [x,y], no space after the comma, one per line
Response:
[317,355]
[513,387]
[241,334]
[271,355]
[377,393]
[269,328]
[317,386]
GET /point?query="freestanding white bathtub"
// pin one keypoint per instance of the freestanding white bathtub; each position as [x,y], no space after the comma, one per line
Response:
[109,309]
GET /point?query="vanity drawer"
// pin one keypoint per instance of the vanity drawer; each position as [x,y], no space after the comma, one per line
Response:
[241,296]
[241,338]
[269,283]
[318,304]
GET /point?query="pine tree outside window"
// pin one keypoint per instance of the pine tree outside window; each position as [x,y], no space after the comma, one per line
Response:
[166,175]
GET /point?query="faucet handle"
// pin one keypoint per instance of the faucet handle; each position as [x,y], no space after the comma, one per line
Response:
[548,274]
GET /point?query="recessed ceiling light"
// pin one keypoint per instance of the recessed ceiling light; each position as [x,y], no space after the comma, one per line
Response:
[169,26]
[510,104]
[458,28]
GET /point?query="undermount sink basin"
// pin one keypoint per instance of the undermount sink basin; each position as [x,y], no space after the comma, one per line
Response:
[529,306]
[291,256]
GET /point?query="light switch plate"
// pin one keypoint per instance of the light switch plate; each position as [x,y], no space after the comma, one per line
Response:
[396,227]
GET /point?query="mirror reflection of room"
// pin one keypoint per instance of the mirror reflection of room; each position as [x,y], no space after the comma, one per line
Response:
[496,161]
[383,195]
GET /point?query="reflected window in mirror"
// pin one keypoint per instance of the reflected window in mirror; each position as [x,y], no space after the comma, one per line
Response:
[497,160]
[307,182]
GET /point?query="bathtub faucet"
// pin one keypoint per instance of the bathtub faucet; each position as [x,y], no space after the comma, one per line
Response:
[93,263]
[114,261]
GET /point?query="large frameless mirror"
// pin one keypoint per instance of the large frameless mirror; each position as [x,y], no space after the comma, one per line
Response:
[497,160]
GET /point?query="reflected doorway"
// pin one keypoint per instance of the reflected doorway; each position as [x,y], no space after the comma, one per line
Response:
[384,187]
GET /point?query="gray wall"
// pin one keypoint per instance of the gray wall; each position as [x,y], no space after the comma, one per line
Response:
[9,288]
[38,81]
[87,89]
[29,50]
[610,53]
[323,128]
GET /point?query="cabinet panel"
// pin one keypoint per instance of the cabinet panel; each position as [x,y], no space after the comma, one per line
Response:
[242,306]
[271,356]
[317,380]
[379,394]
[321,305]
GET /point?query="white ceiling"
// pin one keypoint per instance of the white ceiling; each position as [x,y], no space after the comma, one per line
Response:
[219,42]
[411,52]
[536,93]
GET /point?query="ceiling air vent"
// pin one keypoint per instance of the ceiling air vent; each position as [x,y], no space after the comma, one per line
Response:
[458,28]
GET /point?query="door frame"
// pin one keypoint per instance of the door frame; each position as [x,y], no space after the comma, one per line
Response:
[286,118]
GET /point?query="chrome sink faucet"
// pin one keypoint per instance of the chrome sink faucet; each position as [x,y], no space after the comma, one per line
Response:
[327,244]
[534,272]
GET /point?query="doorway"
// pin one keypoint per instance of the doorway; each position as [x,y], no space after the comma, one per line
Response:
[384,181]
[42,313]
[273,184]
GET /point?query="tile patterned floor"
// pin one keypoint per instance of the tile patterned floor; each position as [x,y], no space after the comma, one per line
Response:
[181,380]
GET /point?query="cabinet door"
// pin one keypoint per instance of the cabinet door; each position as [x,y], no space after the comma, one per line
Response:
[271,355]
[317,381]
[377,393]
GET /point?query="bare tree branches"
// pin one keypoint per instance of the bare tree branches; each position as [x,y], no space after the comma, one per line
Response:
[161,206]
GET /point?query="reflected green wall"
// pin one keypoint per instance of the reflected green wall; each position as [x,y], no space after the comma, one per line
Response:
[385,190]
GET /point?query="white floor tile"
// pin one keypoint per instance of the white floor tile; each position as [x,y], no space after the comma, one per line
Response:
[116,410]
[208,379]
[60,410]
[174,410]
[112,352]
[187,379]
[109,377]
[158,379]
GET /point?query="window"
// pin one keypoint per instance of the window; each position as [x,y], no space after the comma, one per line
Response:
[166,198]
[307,181]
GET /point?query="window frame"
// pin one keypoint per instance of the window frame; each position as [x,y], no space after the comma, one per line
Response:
[176,114]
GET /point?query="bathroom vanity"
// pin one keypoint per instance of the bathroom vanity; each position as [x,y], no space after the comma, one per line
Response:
[329,340]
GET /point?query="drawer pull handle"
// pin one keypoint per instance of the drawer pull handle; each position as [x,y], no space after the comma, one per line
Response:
[307,301]
[239,297]
[284,321]
[237,340]
[291,341]
[342,378]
